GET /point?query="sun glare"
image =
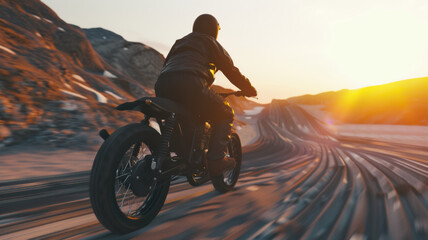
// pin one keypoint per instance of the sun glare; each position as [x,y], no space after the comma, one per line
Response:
[355,106]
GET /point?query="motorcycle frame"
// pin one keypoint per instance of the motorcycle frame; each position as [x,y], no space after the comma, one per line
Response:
[171,138]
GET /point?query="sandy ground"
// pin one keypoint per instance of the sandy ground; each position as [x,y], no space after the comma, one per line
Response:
[29,162]
[413,135]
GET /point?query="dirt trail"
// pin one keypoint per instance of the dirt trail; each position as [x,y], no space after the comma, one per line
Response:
[298,181]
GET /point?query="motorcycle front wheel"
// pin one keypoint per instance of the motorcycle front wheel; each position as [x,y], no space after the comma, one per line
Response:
[123,194]
[227,181]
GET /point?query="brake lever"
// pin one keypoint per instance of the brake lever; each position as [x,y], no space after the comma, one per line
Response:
[237,94]
[241,94]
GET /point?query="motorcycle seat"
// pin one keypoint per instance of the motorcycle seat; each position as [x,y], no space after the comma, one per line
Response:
[155,107]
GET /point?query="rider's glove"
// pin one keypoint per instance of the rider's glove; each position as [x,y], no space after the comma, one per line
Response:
[250,92]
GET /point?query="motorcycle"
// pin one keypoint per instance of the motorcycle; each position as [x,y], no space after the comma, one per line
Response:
[134,167]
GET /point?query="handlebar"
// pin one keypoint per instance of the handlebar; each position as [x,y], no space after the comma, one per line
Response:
[236,93]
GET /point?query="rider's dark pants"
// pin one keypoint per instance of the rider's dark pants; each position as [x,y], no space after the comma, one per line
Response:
[193,92]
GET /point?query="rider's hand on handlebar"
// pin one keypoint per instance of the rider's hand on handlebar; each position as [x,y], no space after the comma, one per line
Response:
[251,92]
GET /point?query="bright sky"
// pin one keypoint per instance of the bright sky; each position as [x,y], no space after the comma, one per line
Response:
[285,47]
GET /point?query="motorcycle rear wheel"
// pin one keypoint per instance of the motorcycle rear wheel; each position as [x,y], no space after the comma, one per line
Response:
[120,203]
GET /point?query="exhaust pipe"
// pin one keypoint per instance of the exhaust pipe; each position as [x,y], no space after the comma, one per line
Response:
[103,134]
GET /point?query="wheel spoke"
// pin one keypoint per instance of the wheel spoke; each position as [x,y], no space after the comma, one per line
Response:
[126,166]
[123,199]
[134,150]
[117,177]
[122,183]
[129,163]
[134,202]
[144,150]
[130,204]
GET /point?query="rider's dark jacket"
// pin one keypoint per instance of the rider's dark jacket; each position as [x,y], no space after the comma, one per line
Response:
[202,55]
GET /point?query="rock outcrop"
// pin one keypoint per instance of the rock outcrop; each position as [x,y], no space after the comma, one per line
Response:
[54,86]
[133,59]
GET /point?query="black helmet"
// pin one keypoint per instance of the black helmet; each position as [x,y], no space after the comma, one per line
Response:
[206,24]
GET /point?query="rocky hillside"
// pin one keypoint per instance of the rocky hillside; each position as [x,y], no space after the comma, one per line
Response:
[54,86]
[133,59]
[403,102]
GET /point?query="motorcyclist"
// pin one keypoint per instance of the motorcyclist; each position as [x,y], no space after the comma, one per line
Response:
[186,78]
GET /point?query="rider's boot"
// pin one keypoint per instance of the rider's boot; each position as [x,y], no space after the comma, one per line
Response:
[217,167]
